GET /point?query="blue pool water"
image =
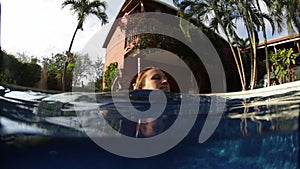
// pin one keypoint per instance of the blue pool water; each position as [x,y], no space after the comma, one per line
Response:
[258,129]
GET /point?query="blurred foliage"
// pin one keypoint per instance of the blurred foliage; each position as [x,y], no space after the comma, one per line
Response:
[20,71]
[281,62]
[99,66]
[55,70]
[15,72]
[81,72]
[110,74]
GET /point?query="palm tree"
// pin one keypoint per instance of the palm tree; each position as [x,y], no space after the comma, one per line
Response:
[292,8]
[288,9]
[83,8]
[251,17]
[219,14]
[230,14]
[223,13]
[242,45]
[262,17]
[283,12]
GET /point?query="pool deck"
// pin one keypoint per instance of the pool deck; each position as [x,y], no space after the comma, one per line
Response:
[263,92]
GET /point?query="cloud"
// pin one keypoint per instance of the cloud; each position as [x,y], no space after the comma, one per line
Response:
[42,27]
[33,26]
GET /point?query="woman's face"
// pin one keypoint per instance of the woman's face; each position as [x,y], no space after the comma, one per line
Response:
[155,79]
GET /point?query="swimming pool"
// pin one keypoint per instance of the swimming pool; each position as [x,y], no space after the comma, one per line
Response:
[258,129]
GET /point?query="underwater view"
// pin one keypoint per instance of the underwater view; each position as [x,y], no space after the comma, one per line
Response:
[258,129]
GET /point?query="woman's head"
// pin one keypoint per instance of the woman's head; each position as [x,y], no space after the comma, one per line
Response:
[153,79]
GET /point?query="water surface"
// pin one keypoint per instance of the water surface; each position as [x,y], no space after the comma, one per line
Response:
[258,129]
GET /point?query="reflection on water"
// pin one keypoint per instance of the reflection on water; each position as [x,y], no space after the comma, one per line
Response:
[272,114]
[255,132]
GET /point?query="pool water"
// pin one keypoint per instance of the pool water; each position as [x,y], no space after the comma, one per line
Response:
[258,130]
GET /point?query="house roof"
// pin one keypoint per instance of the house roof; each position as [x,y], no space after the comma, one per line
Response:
[280,40]
[131,4]
[127,7]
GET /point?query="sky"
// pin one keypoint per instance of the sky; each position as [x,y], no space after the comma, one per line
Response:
[41,28]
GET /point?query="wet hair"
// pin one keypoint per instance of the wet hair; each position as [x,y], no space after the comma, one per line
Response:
[140,80]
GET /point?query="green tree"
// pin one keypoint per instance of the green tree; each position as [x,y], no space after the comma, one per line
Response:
[99,67]
[83,8]
[84,69]
[20,73]
[29,75]
[242,45]
[8,68]
[262,17]
[286,12]
[110,74]
[23,57]
[248,14]
[293,9]
[81,69]
[219,15]
[55,70]
[256,19]
[222,15]
[281,64]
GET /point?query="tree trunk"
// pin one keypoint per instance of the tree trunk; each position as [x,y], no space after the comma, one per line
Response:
[267,57]
[242,76]
[242,67]
[68,57]
[265,44]
[254,73]
[237,63]
[253,42]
